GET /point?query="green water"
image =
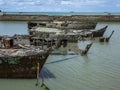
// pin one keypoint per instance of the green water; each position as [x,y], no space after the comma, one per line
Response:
[13,27]
[63,13]
[99,70]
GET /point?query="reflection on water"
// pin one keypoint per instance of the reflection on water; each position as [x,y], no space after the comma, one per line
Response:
[86,59]
[98,70]
[63,59]
[46,73]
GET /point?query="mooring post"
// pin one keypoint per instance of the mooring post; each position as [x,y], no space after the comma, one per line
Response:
[37,73]
[86,49]
[107,39]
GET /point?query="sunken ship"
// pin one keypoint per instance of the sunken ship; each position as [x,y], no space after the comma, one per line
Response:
[20,61]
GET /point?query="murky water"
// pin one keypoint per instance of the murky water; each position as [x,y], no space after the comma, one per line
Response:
[13,27]
[99,70]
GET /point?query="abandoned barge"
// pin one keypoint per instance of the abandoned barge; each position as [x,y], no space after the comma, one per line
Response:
[99,33]
[22,62]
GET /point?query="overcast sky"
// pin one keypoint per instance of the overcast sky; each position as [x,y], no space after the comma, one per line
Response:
[60,5]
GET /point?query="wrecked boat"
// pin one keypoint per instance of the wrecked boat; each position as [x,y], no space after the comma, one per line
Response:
[82,47]
[93,33]
[106,39]
[98,33]
[21,62]
[85,51]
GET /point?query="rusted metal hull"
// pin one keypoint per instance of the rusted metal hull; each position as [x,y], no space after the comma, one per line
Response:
[22,67]
[99,33]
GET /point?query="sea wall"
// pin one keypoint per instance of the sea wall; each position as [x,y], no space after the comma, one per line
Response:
[71,18]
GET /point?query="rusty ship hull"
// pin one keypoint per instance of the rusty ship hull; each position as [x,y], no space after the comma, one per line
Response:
[22,66]
[100,32]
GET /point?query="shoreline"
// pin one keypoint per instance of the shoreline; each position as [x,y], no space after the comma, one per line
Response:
[47,18]
[63,13]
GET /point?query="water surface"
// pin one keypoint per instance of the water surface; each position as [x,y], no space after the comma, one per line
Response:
[99,70]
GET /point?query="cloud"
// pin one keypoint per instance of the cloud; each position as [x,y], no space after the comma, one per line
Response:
[1,2]
[117,5]
[59,5]
[82,2]
[66,2]
[52,2]
[23,2]
[93,2]
[29,2]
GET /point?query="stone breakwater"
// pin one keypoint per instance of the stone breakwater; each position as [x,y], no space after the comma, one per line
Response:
[70,18]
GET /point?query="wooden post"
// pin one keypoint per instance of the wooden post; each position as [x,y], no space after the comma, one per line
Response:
[37,73]
[86,49]
[42,43]
[107,39]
